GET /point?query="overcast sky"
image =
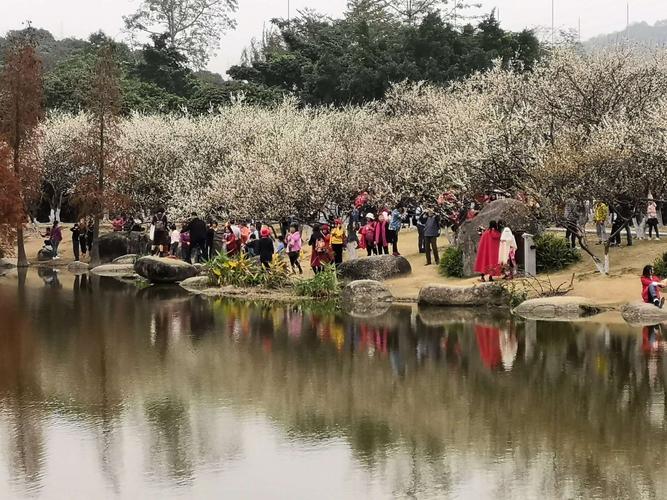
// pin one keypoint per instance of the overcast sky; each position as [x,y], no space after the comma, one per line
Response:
[81,17]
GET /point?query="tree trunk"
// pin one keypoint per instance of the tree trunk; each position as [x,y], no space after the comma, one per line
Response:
[95,250]
[22,258]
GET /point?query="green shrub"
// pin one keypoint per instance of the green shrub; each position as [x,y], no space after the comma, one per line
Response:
[324,285]
[451,263]
[660,266]
[242,272]
[554,253]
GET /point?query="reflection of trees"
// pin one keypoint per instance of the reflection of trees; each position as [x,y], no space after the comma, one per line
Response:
[410,393]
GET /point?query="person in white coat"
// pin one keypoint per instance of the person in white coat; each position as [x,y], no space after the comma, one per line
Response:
[507,253]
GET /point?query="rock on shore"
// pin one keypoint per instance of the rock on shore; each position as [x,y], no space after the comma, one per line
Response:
[378,268]
[162,270]
[126,259]
[558,308]
[642,314]
[366,298]
[483,294]
[119,244]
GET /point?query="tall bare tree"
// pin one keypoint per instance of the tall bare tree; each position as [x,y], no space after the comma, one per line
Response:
[104,106]
[193,27]
[20,112]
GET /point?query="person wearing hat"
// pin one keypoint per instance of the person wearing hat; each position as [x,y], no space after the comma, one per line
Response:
[338,238]
[317,245]
[368,234]
[265,247]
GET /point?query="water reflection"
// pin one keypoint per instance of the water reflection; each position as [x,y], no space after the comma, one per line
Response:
[110,389]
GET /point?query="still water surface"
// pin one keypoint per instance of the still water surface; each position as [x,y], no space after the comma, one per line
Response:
[109,391]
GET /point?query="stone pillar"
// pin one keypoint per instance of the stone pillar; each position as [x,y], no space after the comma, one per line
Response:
[529,255]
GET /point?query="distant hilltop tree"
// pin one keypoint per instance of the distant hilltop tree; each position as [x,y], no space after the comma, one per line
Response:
[641,33]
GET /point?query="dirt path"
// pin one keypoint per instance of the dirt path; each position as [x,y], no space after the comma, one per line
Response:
[621,286]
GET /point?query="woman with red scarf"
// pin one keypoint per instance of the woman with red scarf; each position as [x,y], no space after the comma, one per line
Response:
[488,253]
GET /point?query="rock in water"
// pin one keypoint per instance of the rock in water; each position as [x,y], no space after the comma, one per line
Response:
[366,298]
[162,270]
[126,259]
[114,270]
[378,267]
[558,308]
[44,255]
[484,294]
[8,263]
[642,314]
[119,244]
[196,283]
[77,267]
[516,215]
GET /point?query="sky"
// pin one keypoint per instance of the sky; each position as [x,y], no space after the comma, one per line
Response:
[79,18]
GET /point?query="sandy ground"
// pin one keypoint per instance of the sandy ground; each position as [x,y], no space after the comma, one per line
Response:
[621,286]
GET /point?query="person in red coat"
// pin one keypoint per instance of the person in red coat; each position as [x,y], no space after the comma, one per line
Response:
[651,285]
[488,252]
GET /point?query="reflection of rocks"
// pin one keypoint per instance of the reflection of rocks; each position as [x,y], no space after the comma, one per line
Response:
[483,294]
[441,316]
[126,259]
[196,282]
[114,270]
[77,267]
[558,308]
[366,298]
[643,314]
[118,244]
[163,270]
[379,267]
[163,293]
[516,215]
[44,255]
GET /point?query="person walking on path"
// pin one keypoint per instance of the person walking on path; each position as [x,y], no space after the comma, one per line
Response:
[161,240]
[381,241]
[76,236]
[197,229]
[488,251]
[56,238]
[338,237]
[318,248]
[352,240]
[368,235]
[652,218]
[600,215]
[294,243]
[431,234]
[393,229]
[419,221]
[266,248]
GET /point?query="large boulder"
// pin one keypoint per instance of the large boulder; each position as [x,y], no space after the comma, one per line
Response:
[516,215]
[119,244]
[44,254]
[483,294]
[163,270]
[642,314]
[366,298]
[378,267]
[559,308]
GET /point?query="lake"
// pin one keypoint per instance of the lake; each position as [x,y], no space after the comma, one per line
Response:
[110,390]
